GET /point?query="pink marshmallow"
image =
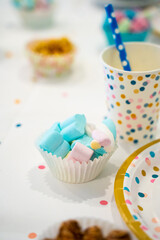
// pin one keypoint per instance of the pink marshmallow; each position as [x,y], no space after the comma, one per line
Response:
[119,16]
[80,153]
[139,24]
[101,137]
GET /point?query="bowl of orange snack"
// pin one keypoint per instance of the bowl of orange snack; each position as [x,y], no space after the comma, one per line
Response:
[51,57]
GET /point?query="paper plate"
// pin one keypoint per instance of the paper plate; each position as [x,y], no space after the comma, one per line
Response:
[137,191]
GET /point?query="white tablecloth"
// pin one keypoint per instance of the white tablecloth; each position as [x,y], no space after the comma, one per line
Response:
[31,200]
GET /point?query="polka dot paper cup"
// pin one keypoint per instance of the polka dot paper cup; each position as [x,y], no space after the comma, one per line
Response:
[133,97]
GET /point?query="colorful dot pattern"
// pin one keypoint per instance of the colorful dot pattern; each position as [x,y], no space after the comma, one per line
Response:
[134,193]
[133,102]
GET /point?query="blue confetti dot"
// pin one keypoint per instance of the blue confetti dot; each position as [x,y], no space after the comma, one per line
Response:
[148,75]
[135,217]
[120,74]
[122,87]
[112,106]
[18,125]
[154,94]
[128,111]
[137,180]
[121,137]
[144,115]
[146,105]
[133,130]
[111,87]
[128,133]
[145,83]
[156,99]
[149,118]
[155,176]
[152,154]
[151,129]
[157,78]
[127,174]
[135,141]
[127,189]
[108,76]
[133,82]
[127,102]
[142,89]
[151,122]
[145,136]
[141,194]
[140,128]
[112,77]
[151,136]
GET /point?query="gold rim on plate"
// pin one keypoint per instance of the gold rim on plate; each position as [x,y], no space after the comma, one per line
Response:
[119,195]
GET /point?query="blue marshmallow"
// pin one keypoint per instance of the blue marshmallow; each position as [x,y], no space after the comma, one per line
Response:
[73,127]
[50,141]
[111,126]
[62,150]
[56,127]
[77,118]
[85,140]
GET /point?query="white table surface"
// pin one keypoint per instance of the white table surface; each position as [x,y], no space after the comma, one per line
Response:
[31,200]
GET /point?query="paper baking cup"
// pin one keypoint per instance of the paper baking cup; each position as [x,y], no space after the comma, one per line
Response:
[50,66]
[105,226]
[75,172]
[133,97]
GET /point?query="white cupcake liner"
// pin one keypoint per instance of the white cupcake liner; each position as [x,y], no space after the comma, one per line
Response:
[71,172]
[105,226]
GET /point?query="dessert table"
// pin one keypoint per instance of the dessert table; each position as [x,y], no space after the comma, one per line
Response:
[31,198]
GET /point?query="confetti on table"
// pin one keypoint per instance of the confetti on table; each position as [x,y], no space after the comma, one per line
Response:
[17,101]
[18,125]
[103,202]
[41,167]
[32,235]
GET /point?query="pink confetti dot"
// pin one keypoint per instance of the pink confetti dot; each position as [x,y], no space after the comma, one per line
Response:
[107,98]
[120,114]
[151,96]
[159,92]
[144,228]
[103,202]
[130,100]
[152,180]
[129,125]
[138,106]
[41,167]
[64,94]
[136,157]
[113,96]
[142,111]
[155,236]
[139,125]
[128,202]
[140,100]
[127,118]
[148,81]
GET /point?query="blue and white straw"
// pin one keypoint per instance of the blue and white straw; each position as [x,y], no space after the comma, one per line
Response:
[117,37]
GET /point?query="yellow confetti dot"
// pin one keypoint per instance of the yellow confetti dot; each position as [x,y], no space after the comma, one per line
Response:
[130,139]
[140,78]
[118,104]
[136,91]
[157,104]
[111,71]
[148,127]
[155,168]
[140,208]
[119,122]
[143,173]
[153,76]
[133,116]
[17,101]
[150,105]
[121,79]
[123,96]
[95,145]
[129,77]
[157,117]
[156,85]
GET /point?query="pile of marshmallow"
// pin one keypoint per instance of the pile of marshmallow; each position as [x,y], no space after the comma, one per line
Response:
[32,4]
[76,140]
[131,21]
